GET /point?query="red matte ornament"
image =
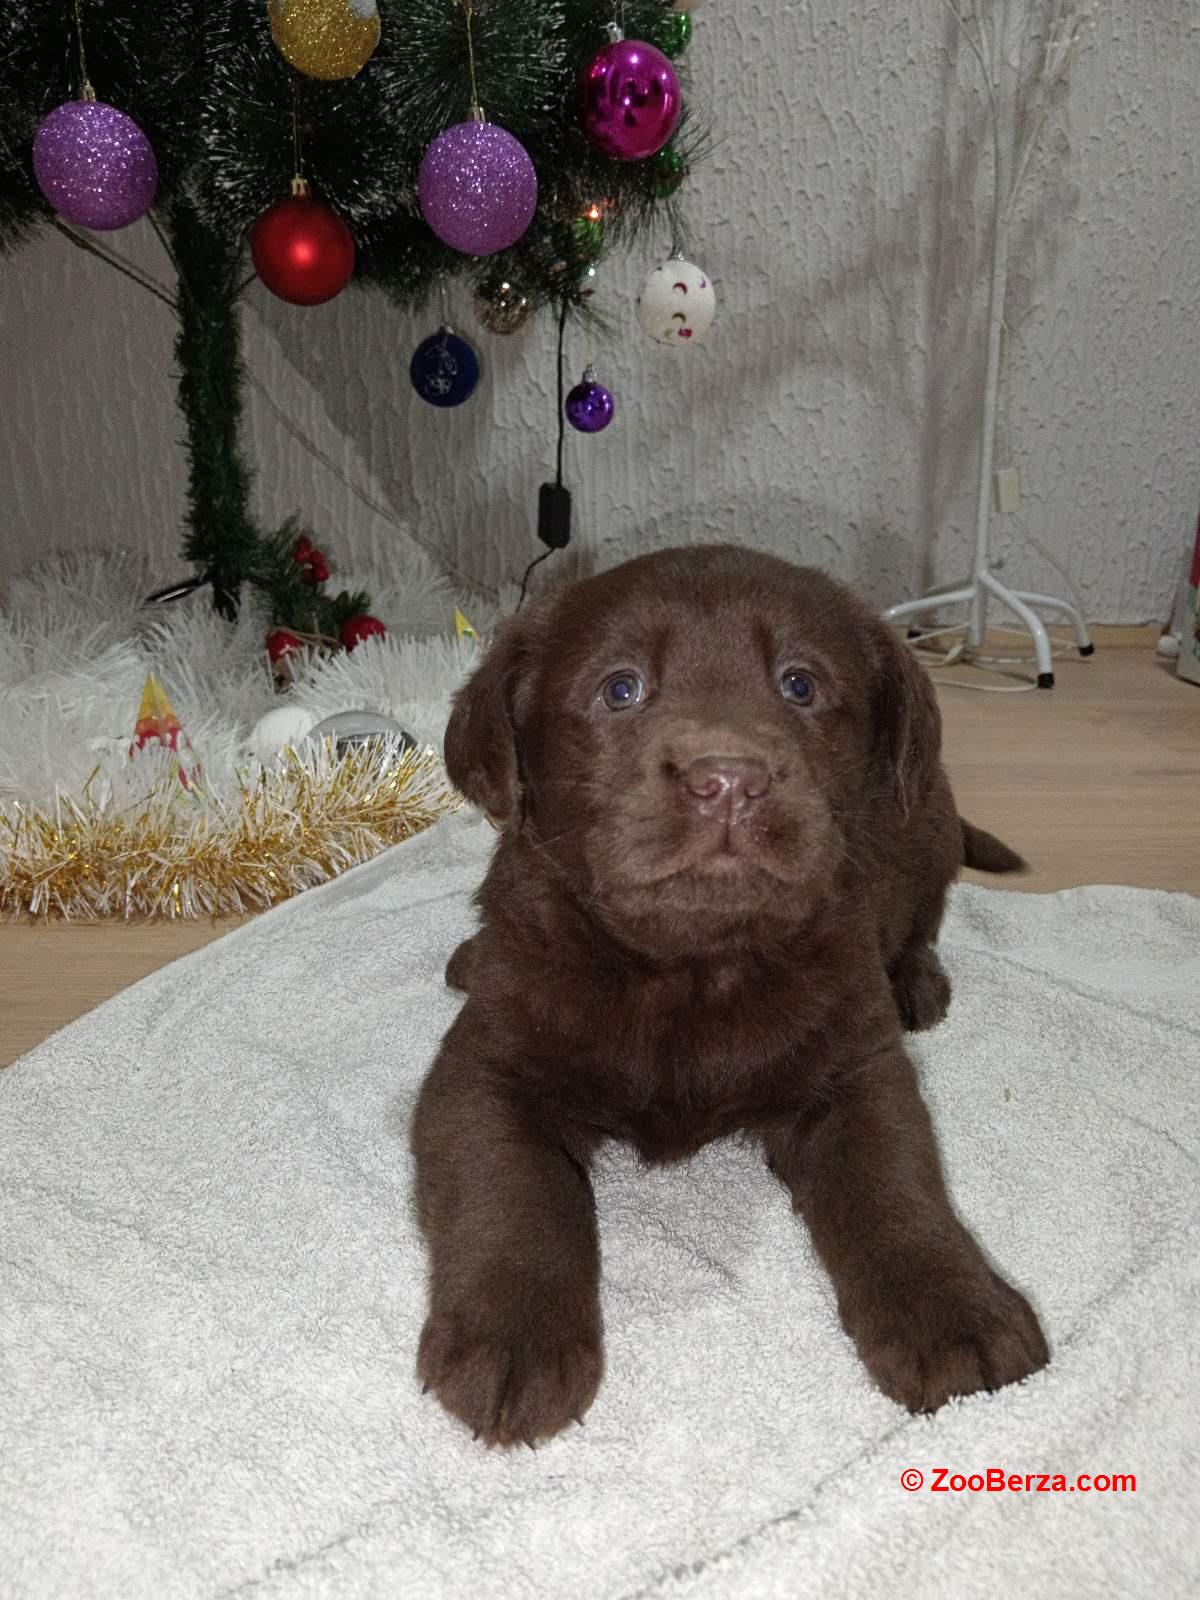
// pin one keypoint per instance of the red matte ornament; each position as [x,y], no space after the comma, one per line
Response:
[281,643]
[301,249]
[356,629]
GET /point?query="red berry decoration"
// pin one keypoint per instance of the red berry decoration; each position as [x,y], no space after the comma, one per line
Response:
[356,629]
[302,550]
[317,567]
[302,250]
[281,643]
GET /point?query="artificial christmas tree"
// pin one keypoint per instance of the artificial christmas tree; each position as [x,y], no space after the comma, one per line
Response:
[232,125]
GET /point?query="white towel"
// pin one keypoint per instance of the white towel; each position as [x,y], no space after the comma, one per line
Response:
[211,1287]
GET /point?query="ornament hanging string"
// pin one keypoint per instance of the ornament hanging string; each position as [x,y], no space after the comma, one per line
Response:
[297,146]
[476,109]
[86,92]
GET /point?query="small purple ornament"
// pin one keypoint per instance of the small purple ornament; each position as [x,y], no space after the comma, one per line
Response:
[94,165]
[477,187]
[589,406]
[629,100]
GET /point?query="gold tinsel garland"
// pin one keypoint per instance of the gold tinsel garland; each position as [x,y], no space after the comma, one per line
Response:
[177,854]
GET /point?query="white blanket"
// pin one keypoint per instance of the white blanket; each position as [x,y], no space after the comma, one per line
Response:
[211,1287]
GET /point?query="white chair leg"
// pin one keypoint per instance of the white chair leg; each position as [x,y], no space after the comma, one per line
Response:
[1074,617]
[1037,628]
[928,602]
[941,590]
[977,618]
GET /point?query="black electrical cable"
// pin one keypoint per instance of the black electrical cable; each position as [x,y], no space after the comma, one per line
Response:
[562,414]
[554,501]
[545,556]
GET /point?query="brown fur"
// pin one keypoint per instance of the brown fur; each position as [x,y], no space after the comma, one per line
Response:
[712,912]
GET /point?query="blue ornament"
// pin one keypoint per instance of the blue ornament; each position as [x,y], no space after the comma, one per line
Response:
[444,369]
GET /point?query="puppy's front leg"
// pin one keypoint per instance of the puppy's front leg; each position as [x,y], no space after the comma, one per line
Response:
[929,1316]
[512,1342]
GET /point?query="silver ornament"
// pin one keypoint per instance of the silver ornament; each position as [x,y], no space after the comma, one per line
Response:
[349,730]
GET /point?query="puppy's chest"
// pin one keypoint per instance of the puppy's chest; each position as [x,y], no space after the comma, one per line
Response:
[672,1063]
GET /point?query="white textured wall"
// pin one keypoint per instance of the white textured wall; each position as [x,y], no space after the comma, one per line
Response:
[830,413]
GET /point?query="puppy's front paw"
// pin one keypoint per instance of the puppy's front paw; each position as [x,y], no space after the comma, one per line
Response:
[921,990]
[932,1345]
[511,1381]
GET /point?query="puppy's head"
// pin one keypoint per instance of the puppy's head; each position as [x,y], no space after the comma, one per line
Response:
[692,741]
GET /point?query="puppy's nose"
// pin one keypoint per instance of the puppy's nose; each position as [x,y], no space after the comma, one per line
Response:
[733,780]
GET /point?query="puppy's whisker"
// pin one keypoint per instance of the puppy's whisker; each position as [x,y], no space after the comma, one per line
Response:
[537,842]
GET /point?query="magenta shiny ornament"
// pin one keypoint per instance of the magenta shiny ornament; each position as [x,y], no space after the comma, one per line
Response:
[589,406]
[94,165]
[629,100]
[477,188]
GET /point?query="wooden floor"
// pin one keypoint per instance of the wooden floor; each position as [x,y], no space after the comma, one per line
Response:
[1095,781]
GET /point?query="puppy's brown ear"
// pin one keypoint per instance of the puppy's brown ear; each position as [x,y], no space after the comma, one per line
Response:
[481,737]
[908,722]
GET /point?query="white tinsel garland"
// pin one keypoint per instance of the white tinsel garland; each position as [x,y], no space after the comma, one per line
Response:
[86,830]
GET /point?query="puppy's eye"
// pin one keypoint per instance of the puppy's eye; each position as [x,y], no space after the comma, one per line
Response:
[622,689]
[797,687]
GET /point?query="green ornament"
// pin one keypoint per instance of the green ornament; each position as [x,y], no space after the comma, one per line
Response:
[676,34]
[668,169]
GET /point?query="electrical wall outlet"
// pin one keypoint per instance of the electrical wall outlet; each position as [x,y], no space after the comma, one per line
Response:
[1008,491]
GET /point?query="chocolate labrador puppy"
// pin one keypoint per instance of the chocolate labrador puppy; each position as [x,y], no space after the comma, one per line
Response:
[726,843]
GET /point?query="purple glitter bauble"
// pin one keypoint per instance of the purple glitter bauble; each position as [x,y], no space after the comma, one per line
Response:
[477,188]
[589,406]
[95,165]
[629,100]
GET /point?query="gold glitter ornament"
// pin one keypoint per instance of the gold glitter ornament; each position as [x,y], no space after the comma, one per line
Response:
[327,39]
[501,306]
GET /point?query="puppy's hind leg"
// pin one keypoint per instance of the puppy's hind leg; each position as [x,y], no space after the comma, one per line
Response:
[919,983]
[458,968]
[920,987]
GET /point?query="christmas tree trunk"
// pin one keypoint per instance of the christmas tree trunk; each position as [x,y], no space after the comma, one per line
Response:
[221,537]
